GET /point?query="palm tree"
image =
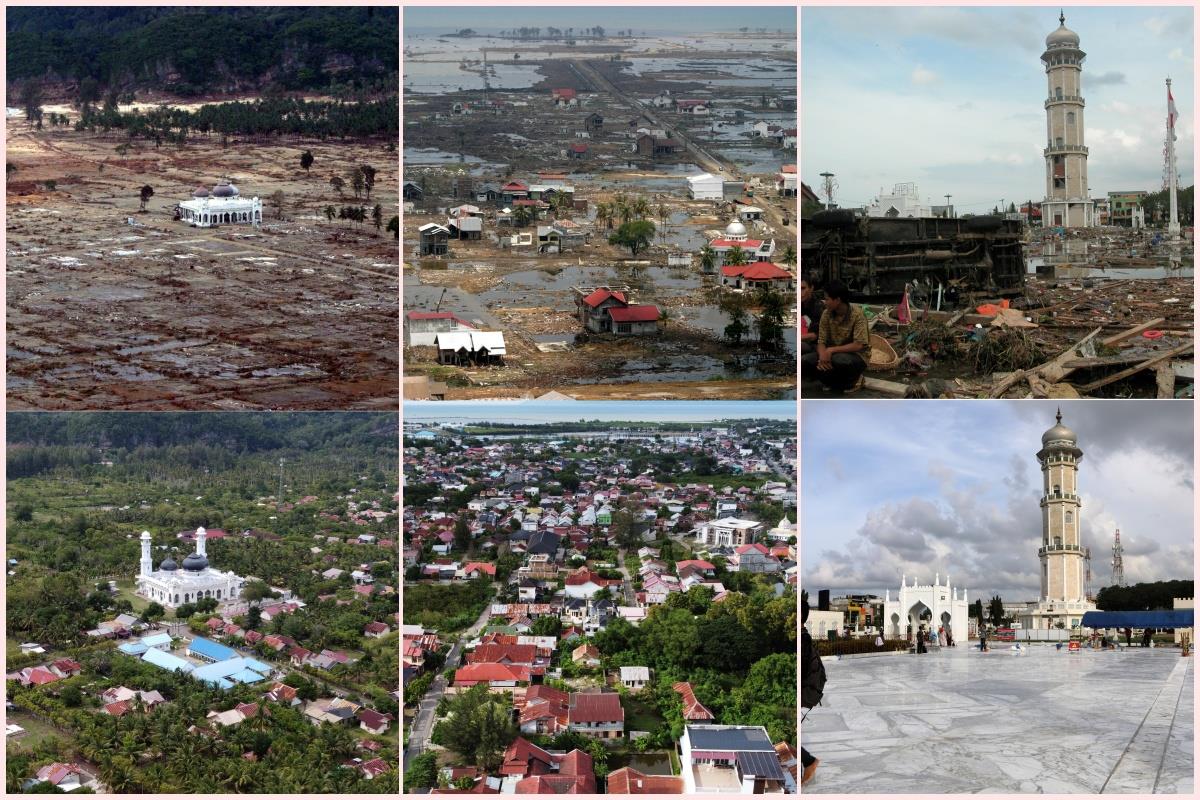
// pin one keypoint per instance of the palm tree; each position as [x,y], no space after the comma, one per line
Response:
[521,216]
[622,208]
[641,208]
[708,259]
[664,316]
[664,216]
[604,214]
[789,256]
[736,256]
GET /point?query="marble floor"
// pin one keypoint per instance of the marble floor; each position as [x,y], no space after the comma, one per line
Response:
[1043,721]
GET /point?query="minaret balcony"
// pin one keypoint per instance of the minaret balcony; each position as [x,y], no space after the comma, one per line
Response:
[1059,548]
[1054,496]
[1066,98]
[1060,149]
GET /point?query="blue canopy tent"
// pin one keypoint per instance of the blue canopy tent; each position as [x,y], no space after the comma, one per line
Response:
[1180,618]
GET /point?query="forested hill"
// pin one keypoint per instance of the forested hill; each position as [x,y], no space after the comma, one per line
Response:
[190,52]
[37,442]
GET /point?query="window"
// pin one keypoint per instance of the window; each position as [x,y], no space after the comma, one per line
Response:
[1058,95]
[624,327]
[1070,117]
[1058,141]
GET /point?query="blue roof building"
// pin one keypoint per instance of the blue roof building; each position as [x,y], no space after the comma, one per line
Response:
[234,670]
[167,661]
[157,640]
[209,650]
[132,648]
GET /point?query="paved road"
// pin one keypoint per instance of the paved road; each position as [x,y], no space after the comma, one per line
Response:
[627,586]
[422,726]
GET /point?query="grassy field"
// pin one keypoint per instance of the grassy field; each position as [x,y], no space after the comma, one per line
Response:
[639,716]
[125,590]
[36,730]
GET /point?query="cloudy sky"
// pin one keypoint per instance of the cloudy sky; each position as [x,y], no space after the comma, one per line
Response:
[893,488]
[951,99]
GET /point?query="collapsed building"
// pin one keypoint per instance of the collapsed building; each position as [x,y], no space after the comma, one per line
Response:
[877,256]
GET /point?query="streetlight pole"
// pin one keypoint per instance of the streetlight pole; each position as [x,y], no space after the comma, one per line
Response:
[948,205]
[828,186]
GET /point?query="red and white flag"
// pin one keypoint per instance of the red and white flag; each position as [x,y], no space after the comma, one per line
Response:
[1172,115]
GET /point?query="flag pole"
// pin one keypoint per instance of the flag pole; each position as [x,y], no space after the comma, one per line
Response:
[1173,225]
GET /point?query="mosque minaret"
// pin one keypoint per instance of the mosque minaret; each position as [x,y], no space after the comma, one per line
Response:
[1068,203]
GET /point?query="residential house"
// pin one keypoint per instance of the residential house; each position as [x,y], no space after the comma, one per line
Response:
[335,711]
[470,348]
[577,150]
[628,780]
[635,678]
[693,710]
[434,239]
[564,98]
[647,145]
[413,191]
[586,655]
[706,187]
[593,123]
[372,721]
[785,181]
[753,558]
[606,311]
[759,275]
[598,715]
[731,759]
[696,108]
[376,630]
[464,228]
[542,772]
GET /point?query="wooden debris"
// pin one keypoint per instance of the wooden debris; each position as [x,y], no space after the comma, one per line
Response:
[1125,373]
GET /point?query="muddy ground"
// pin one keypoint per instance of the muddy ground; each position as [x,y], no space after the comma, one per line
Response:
[102,314]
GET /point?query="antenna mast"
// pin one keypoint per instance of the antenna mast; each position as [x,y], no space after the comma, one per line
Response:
[1118,565]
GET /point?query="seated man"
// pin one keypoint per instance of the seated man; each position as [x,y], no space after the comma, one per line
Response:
[811,310]
[843,344]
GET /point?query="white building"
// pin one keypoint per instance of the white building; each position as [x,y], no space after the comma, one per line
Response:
[904,201]
[706,187]
[222,206]
[728,532]
[932,604]
[1184,603]
[172,584]
[730,759]
[820,623]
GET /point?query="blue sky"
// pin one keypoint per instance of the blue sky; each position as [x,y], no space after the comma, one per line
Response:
[951,98]
[570,411]
[918,487]
[652,19]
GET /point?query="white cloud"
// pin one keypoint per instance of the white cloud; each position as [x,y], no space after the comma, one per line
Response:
[922,76]
[1116,137]
[1116,107]
[1176,54]
[1157,25]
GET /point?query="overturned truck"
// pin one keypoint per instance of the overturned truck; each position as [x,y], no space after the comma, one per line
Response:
[876,256]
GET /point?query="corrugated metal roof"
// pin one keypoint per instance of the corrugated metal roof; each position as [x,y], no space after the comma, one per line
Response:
[210,649]
[166,661]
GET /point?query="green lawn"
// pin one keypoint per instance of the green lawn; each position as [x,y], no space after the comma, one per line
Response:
[640,716]
[36,730]
[125,591]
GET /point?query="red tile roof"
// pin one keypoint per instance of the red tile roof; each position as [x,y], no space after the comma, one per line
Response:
[117,709]
[557,784]
[498,653]
[579,147]
[692,708]
[481,673]
[789,168]
[600,295]
[523,757]
[472,566]
[373,718]
[758,271]
[603,707]
[627,780]
[565,94]
[748,548]
[519,186]
[639,313]
[40,675]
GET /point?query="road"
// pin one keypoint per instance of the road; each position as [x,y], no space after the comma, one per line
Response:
[773,208]
[627,586]
[422,726]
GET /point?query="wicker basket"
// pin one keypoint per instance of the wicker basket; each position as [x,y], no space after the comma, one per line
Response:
[882,354]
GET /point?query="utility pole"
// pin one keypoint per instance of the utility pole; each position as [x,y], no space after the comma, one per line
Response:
[279,497]
[829,185]
[948,205]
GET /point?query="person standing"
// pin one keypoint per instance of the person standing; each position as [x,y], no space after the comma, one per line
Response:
[812,687]
[949,637]
[1146,634]
[921,640]
[843,344]
[1128,635]
[941,636]
[982,640]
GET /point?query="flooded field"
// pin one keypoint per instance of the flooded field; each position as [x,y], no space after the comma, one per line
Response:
[110,308]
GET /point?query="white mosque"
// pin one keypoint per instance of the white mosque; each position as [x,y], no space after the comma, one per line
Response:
[221,206]
[172,584]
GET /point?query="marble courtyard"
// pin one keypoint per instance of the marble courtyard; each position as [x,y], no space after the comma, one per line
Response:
[1046,721]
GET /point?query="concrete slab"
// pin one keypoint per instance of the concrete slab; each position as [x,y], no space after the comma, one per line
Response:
[1043,721]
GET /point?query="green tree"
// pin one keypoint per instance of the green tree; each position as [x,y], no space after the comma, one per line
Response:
[338,184]
[462,534]
[153,612]
[996,610]
[377,216]
[708,259]
[636,235]
[145,194]
[478,727]
[357,182]
[393,226]
[368,179]
[306,160]
[736,256]
[422,772]
[769,323]
[522,216]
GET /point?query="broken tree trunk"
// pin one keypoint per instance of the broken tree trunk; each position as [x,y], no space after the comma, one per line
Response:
[1125,373]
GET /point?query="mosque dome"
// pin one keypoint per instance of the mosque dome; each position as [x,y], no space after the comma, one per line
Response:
[195,563]
[168,565]
[1059,432]
[200,192]
[224,189]
[1062,36]
[735,228]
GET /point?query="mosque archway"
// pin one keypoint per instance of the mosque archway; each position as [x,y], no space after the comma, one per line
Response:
[895,631]
[919,614]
